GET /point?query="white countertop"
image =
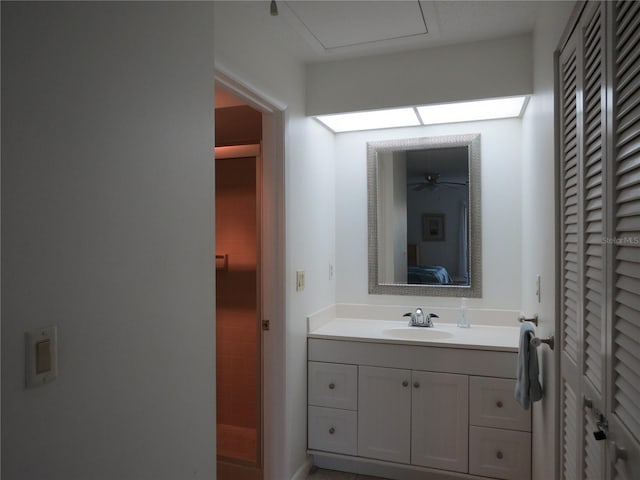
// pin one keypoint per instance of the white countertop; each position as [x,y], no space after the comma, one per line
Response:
[477,337]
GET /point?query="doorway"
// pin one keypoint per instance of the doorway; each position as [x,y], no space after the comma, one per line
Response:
[260,136]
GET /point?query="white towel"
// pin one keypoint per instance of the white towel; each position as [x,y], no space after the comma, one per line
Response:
[528,388]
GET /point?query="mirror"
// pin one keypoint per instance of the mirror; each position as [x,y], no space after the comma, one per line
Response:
[424,216]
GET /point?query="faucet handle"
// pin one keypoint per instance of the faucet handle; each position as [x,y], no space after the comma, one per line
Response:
[429,321]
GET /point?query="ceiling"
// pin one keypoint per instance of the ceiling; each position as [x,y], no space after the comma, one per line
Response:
[330,29]
[323,30]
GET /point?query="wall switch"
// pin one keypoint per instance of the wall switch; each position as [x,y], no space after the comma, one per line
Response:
[299,280]
[538,287]
[41,351]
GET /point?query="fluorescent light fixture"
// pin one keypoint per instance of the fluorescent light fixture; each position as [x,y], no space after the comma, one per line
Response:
[470,111]
[491,109]
[371,120]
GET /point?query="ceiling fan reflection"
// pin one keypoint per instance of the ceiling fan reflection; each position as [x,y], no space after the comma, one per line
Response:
[432,181]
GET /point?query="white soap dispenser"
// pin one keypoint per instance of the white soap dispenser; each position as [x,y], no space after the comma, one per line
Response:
[463,318]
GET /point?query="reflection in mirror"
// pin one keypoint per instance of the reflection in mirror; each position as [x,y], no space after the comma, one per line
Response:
[424,216]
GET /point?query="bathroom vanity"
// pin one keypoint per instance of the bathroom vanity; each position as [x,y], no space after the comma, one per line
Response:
[400,402]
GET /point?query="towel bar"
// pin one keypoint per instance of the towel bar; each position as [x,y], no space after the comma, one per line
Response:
[222,261]
[536,342]
[533,320]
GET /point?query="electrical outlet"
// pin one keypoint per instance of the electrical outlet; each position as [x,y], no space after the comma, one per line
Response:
[299,280]
[331,271]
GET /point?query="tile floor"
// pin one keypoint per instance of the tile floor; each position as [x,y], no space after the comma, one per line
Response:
[322,474]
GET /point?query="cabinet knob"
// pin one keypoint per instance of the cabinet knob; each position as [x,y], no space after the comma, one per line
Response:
[499,455]
[499,404]
[416,384]
[332,430]
[405,383]
[332,386]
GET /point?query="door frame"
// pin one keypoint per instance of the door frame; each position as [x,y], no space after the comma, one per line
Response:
[272,253]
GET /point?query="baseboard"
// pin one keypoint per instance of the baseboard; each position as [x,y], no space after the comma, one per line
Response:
[303,472]
[377,468]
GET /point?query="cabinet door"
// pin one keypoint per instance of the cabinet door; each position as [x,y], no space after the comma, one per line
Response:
[440,420]
[384,413]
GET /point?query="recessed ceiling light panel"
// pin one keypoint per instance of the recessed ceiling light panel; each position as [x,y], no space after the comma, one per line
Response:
[371,120]
[491,109]
[471,111]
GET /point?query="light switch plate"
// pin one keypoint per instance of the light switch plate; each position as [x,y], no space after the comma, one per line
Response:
[40,342]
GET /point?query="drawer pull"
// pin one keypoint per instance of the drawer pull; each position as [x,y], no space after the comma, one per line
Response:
[499,404]
[499,455]
[332,431]
[332,386]
[416,384]
[405,383]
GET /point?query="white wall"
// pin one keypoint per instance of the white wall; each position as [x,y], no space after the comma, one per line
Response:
[261,59]
[538,225]
[483,69]
[501,210]
[107,222]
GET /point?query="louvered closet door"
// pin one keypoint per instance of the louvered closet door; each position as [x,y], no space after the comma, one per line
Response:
[570,284]
[599,99]
[583,325]
[594,280]
[624,386]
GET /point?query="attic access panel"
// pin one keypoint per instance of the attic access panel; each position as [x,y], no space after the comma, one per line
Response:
[336,25]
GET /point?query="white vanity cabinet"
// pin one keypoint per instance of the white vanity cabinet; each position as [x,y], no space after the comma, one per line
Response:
[440,420]
[413,417]
[384,410]
[402,409]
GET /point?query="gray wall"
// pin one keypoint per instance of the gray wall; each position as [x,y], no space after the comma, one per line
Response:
[107,222]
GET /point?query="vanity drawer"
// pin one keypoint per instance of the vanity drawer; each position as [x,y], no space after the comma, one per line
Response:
[499,453]
[333,430]
[492,405]
[333,385]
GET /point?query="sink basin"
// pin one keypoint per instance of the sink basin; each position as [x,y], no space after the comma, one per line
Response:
[417,333]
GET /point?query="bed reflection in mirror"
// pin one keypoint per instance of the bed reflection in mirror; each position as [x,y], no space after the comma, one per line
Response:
[422,233]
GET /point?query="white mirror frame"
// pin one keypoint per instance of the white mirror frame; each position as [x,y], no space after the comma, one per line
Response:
[474,289]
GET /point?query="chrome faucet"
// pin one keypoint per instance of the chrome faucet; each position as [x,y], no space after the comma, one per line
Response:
[419,319]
